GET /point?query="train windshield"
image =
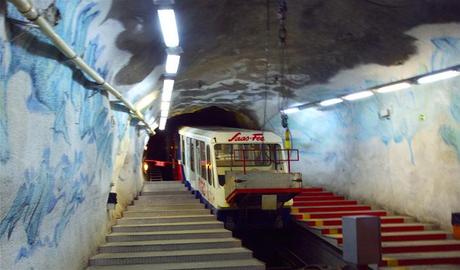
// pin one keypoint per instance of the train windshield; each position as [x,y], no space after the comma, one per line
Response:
[249,155]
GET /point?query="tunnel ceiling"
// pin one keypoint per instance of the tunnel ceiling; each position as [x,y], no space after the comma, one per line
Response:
[225,41]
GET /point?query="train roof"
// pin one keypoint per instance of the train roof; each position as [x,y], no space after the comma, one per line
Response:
[230,135]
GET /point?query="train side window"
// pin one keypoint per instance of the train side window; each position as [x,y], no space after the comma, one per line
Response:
[208,165]
[221,180]
[192,156]
[183,149]
[202,160]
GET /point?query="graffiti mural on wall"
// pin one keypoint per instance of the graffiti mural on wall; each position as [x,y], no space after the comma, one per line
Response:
[43,189]
[53,190]
[4,51]
[394,162]
[447,53]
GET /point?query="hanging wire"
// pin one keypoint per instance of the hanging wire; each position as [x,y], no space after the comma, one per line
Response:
[267,59]
[282,36]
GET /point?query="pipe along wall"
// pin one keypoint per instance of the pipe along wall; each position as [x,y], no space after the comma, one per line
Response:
[63,148]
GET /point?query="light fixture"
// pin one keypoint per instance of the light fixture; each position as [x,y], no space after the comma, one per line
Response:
[168,86]
[331,102]
[169,27]
[393,87]
[154,124]
[438,76]
[163,123]
[358,95]
[164,113]
[172,63]
[291,110]
[146,101]
[165,106]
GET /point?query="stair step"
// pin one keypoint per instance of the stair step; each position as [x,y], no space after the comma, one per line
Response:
[178,226]
[317,198]
[324,203]
[335,208]
[421,258]
[338,221]
[315,194]
[251,264]
[155,213]
[166,191]
[420,246]
[159,201]
[166,219]
[192,205]
[403,236]
[311,189]
[163,245]
[343,213]
[388,227]
[167,235]
[163,185]
[170,256]
[165,182]
[166,197]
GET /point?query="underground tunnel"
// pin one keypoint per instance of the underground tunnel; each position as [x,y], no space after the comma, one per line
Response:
[230,134]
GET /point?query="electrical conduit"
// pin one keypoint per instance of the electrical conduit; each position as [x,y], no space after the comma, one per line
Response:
[27,9]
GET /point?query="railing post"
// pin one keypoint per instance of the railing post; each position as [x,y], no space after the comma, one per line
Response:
[289,160]
[244,161]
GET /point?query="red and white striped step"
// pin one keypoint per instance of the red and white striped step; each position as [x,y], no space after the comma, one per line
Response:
[338,221]
[324,203]
[403,236]
[387,227]
[404,242]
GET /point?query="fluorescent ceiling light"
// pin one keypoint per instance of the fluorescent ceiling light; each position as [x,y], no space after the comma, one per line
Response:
[291,110]
[164,113]
[146,101]
[169,27]
[393,87]
[168,86]
[154,125]
[331,102]
[165,106]
[163,123]
[438,76]
[172,63]
[358,95]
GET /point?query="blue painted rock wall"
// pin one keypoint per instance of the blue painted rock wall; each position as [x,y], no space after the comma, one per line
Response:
[409,164]
[63,147]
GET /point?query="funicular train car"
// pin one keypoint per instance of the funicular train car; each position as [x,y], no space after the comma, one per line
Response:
[242,175]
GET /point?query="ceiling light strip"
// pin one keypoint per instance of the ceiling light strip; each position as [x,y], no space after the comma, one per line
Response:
[448,73]
[169,27]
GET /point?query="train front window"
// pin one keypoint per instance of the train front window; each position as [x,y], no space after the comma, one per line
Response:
[252,155]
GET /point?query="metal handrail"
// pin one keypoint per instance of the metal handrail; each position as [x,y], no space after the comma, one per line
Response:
[275,160]
[31,13]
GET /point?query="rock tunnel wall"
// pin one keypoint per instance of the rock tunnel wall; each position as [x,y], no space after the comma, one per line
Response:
[63,147]
[409,163]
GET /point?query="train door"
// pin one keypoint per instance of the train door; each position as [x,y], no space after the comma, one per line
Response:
[192,165]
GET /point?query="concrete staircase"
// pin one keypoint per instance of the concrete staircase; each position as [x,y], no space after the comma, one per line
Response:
[167,228]
[155,174]
[405,242]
